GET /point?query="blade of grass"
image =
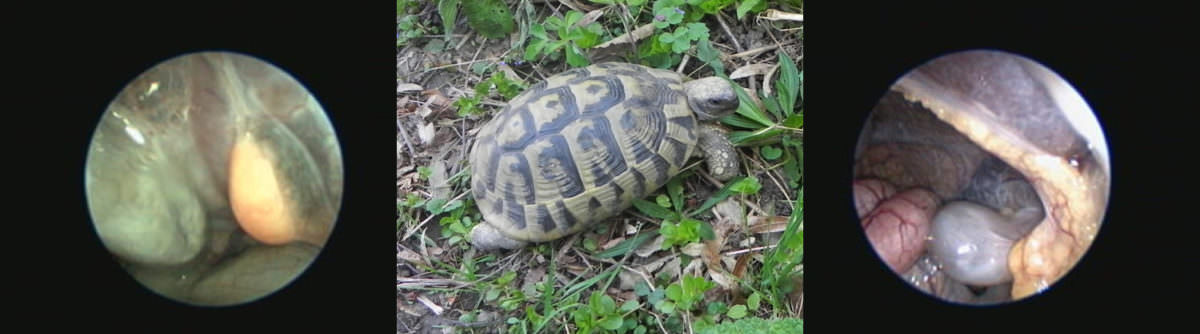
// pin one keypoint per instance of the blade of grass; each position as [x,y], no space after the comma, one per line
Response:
[628,245]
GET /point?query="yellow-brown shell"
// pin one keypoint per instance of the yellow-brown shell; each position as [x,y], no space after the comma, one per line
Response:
[579,148]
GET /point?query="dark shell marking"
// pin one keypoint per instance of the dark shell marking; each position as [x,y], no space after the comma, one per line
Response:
[579,148]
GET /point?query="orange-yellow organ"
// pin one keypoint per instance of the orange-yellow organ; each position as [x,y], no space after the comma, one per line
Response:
[258,201]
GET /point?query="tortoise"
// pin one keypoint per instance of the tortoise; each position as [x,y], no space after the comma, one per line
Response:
[580,146]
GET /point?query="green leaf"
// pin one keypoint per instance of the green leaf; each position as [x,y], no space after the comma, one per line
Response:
[510,304]
[675,189]
[663,201]
[665,306]
[458,228]
[627,324]
[687,231]
[747,185]
[746,6]
[534,48]
[506,278]
[752,301]
[675,292]
[751,138]
[605,304]
[572,18]
[539,31]
[656,296]
[748,109]
[538,43]
[611,322]
[406,22]
[788,83]
[435,205]
[708,55]
[795,121]
[482,89]
[490,18]
[452,205]
[652,209]
[716,308]
[449,11]
[554,23]
[666,38]
[697,31]
[737,311]
[722,194]
[589,36]
[672,15]
[492,294]
[680,41]
[793,168]
[714,6]
[532,315]
[770,152]
[740,121]
[705,231]
[772,105]
[575,56]
[641,289]
[589,244]
[629,306]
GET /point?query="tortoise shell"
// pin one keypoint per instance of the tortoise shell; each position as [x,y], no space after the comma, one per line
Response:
[579,147]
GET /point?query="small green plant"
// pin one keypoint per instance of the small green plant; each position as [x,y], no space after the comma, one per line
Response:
[457,225]
[498,291]
[782,266]
[678,228]
[686,294]
[601,312]
[406,210]
[408,26]
[490,18]
[448,9]
[507,88]
[571,38]
[758,325]
[665,48]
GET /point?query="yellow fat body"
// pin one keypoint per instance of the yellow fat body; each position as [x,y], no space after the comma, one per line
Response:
[259,202]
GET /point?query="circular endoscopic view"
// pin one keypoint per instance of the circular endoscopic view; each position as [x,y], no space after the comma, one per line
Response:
[981,177]
[214,178]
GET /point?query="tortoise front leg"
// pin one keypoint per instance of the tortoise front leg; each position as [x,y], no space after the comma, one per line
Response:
[718,152]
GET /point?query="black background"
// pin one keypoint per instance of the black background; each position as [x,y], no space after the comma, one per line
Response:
[1132,64]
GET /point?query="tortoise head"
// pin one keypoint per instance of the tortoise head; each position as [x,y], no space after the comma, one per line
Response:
[711,97]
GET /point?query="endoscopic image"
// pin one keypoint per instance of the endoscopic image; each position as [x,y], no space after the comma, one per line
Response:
[214,178]
[981,177]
